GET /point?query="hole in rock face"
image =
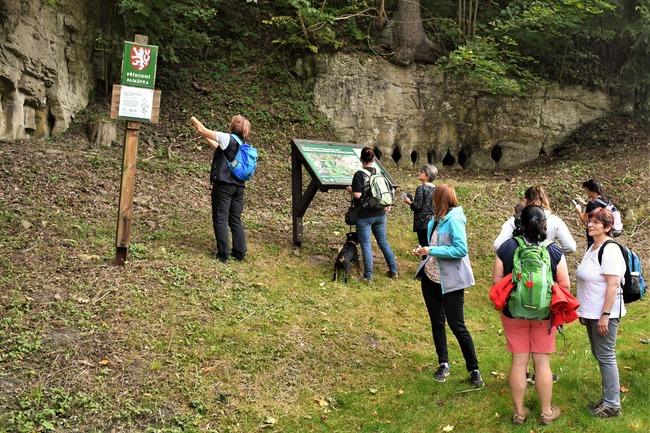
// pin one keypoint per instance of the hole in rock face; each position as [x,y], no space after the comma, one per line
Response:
[496,153]
[397,154]
[431,156]
[542,152]
[464,157]
[414,157]
[377,153]
[51,120]
[449,160]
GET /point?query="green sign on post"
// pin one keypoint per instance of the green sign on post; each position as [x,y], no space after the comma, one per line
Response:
[139,65]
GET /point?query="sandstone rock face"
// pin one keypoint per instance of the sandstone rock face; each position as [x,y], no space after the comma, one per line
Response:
[413,115]
[46,70]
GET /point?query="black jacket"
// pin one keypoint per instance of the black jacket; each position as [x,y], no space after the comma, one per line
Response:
[219,171]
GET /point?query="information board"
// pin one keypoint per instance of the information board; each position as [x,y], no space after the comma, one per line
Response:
[334,163]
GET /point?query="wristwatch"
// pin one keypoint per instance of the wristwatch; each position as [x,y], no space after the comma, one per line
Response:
[605,313]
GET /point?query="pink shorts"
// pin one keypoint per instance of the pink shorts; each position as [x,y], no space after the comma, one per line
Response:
[526,336]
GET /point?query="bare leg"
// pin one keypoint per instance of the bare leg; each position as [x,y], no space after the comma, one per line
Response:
[543,380]
[517,379]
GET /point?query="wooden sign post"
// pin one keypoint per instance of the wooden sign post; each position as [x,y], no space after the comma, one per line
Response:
[135,101]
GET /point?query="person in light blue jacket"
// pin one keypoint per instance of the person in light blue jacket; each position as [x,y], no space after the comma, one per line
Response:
[445,273]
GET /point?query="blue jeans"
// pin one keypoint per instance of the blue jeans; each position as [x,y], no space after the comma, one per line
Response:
[378,227]
[604,351]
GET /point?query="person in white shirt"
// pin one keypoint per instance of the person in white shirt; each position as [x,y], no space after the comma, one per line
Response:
[601,307]
[556,230]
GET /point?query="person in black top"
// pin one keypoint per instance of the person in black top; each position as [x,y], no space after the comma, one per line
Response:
[227,191]
[370,220]
[594,193]
[422,203]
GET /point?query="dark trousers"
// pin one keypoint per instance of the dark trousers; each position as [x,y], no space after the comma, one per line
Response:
[423,241]
[227,207]
[449,307]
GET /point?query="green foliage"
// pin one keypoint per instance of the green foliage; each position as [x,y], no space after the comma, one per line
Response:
[563,37]
[637,67]
[491,66]
[311,25]
[181,29]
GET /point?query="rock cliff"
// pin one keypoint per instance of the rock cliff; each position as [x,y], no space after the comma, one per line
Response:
[46,68]
[414,115]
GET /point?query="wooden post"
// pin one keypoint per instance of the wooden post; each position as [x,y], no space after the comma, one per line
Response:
[125,213]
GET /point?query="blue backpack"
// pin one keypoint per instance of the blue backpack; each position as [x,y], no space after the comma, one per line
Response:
[244,163]
[634,285]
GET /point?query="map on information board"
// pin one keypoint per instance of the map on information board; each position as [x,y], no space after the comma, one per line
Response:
[334,163]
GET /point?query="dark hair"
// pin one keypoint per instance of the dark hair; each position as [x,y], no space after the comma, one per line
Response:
[367,155]
[604,216]
[518,208]
[431,171]
[533,223]
[593,186]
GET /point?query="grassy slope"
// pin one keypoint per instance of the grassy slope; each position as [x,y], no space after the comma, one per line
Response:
[175,341]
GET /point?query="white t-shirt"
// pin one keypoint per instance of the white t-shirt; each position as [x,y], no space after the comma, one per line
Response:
[223,139]
[592,284]
[556,231]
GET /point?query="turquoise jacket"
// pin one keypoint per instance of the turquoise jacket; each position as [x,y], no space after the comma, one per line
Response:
[451,251]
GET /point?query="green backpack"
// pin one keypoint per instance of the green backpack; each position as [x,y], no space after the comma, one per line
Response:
[533,281]
[380,191]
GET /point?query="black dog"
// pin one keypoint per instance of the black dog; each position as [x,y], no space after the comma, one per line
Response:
[349,254]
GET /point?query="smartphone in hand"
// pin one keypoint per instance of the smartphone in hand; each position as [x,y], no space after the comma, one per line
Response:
[404,195]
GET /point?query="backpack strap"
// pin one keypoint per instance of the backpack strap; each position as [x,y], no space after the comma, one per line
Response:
[627,275]
[239,143]
[602,249]
[601,202]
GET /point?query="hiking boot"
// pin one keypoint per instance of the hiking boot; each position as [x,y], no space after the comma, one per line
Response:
[595,404]
[393,275]
[547,419]
[603,411]
[441,374]
[476,379]
[367,281]
[520,418]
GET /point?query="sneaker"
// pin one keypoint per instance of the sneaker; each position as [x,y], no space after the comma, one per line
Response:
[603,411]
[441,374]
[476,379]
[595,404]
[520,418]
[393,275]
[367,281]
[548,419]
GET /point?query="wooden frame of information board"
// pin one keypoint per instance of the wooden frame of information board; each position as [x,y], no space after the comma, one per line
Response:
[330,165]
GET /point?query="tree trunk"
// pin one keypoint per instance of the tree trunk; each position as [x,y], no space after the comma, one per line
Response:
[409,40]
[102,133]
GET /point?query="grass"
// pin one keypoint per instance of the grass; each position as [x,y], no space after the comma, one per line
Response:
[174,341]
